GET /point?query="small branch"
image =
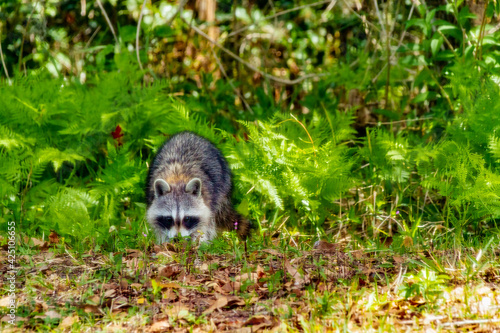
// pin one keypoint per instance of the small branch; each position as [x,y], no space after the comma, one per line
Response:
[137,35]
[3,60]
[252,67]
[108,21]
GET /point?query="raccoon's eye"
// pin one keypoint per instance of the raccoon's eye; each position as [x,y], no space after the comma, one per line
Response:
[190,222]
[165,221]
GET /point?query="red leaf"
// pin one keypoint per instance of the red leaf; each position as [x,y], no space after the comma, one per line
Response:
[118,134]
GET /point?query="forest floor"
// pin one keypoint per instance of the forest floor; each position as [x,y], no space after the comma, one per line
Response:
[292,286]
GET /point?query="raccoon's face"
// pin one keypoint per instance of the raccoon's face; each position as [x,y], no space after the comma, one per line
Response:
[179,210]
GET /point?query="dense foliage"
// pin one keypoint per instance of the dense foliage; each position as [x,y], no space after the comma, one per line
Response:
[397,133]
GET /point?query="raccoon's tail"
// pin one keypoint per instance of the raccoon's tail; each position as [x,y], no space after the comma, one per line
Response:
[228,219]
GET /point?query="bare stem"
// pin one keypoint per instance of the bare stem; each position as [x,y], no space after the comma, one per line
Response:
[107,20]
[137,35]
[3,61]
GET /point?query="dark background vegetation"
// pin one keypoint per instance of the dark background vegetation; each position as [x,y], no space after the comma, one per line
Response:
[376,124]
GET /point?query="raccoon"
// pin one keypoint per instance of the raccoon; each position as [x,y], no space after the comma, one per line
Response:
[189,191]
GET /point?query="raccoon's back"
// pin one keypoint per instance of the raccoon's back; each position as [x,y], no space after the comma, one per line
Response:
[194,157]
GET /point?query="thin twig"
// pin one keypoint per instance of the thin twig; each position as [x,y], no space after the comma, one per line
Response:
[278,14]
[448,43]
[363,20]
[92,37]
[305,129]
[3,61]
[471,322]
[400,42]
[252,67]
[137,34]
[179,9]
[482,31]
[379,17]
[328,8]
[445,94]
[108,21]
[24,35]
[247,106]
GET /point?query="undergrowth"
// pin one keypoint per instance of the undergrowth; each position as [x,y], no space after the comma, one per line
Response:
[75,159]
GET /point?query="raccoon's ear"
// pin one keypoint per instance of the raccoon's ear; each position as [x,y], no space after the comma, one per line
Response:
[161,188]
[194,186]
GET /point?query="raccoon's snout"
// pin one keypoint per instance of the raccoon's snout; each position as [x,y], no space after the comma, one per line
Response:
[180,238]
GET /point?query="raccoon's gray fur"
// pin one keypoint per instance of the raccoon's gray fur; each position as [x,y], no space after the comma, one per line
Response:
[189,191]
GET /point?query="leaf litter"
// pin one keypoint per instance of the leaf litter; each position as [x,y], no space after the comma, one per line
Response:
[172,288]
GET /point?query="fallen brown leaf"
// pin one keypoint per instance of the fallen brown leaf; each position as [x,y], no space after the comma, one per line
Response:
[398,259]
[260,321]
[235,301]
[170,271]
[4,302]
[325,246]
[160,326]
[299,280]
[230,287]
[87,308]
[53,238]
[171,285]
[123,283]
[136,286]
[133,253]
[217,304]
[110,293]
[68,322]
[37,243]
[177,311]
[51,314]
[273,252]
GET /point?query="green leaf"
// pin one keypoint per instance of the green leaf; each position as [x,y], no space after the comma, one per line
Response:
[490,10]
[164,31]
[101,56]
[436,43]
[127,33]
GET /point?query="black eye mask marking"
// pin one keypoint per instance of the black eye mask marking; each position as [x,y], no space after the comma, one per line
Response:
[190,222]
[165,222]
